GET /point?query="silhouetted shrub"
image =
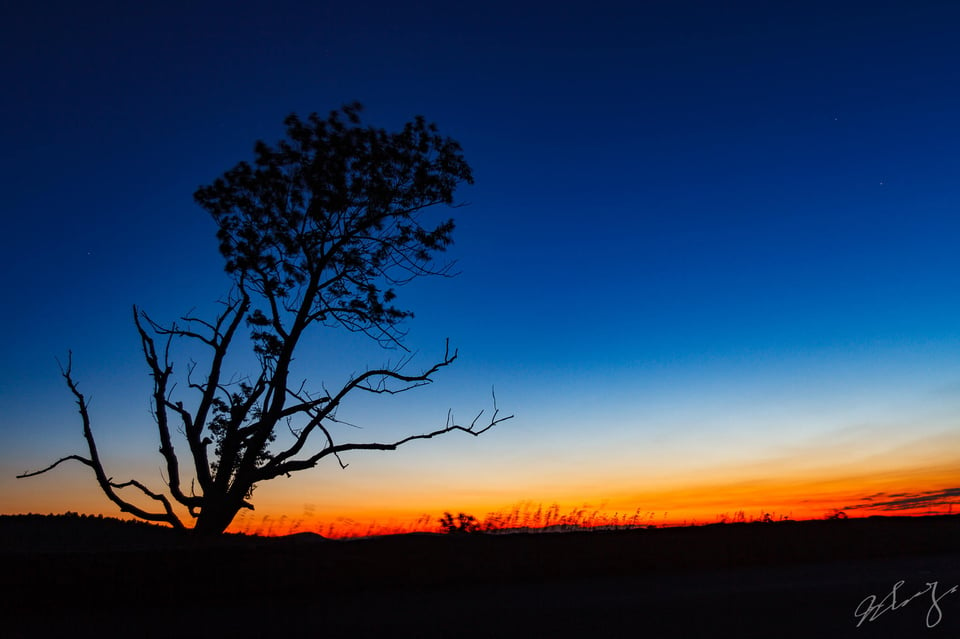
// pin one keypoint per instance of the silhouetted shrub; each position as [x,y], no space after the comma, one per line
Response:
[462,523]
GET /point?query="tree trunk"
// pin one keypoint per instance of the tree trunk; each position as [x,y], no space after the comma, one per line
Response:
[214,519]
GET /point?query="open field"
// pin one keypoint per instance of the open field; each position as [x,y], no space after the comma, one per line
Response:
[784,579]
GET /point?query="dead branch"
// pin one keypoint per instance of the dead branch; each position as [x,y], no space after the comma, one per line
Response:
[78,458]
[291,466]
[107,485]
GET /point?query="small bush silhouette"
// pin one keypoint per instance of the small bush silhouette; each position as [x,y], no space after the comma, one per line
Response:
[462,523]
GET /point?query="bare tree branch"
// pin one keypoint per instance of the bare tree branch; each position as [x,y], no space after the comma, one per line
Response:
[357,383]
[295,465]
[160,371]
[78,458]
[106,483]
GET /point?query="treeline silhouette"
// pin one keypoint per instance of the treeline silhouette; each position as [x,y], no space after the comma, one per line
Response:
[71,531]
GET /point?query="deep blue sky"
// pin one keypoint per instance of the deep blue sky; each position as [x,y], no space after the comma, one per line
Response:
[685,214]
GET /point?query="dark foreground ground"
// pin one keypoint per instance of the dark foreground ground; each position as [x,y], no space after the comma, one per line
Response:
[68,578]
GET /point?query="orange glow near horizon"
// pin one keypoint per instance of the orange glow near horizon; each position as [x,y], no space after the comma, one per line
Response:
[908,492]
[793,489]
[693,506]
[532,517]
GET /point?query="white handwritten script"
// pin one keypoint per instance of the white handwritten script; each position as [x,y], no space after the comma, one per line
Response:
[870,609]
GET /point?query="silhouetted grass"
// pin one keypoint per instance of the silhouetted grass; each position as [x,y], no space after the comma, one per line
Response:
[523,517]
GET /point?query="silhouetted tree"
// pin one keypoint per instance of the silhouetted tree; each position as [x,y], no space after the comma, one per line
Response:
[319,230]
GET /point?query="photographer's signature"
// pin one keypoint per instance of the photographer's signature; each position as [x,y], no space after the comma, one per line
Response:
[870,609]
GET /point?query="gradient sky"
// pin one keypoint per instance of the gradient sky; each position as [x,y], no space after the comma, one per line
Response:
[709,262]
